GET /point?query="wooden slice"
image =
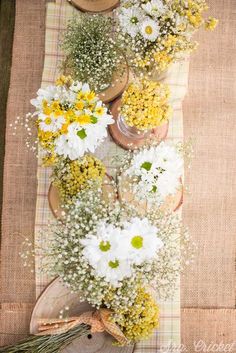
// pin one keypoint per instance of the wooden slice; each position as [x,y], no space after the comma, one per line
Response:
[55,202]
[157,134]
[95,5]
[171,203]
[119,82]
[117,87]
[55,298]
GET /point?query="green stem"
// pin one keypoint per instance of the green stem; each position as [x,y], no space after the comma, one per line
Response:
[47,343]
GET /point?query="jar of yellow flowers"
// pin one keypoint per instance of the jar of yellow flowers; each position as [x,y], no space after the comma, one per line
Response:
[142,114]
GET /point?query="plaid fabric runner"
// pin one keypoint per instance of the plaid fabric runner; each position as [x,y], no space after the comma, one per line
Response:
[58,14]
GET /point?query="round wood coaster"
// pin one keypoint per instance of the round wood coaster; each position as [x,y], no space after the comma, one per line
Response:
[117,87]
[95,5]
[55,202]
[54,299]
[157,134]
[171,203]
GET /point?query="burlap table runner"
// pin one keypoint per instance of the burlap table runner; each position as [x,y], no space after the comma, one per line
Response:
[56,19]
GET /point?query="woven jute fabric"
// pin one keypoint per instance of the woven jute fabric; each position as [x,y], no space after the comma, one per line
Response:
[212,329]
[209,211]
[17,282]
[7,23]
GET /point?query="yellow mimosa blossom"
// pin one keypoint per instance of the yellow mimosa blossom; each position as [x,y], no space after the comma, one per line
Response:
[138,321]
[70,177]
[145,104]
[211,23]
[64,80]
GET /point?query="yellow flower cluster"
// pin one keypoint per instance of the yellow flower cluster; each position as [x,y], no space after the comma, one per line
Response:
[64,80]
[138,321]
[145,104]
[70,177]
[168,47]
[83,110]
[211,23]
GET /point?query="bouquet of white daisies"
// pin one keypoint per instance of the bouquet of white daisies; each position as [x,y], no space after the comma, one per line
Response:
[155,172]
[70,118]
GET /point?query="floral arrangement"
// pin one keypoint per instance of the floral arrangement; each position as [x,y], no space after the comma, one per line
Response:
[70,177]
[70,118]
[156,33]
[112,256]
[145,104]
[92,54]
[155,172]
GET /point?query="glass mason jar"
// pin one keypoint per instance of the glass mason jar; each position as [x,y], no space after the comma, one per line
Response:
[131,132]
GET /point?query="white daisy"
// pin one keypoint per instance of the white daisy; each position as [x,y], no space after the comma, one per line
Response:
[157,172]
[150,30]
[130,20]
[114,270]
[104,252]
[141,240]
[76,86]
[103,244]
[47,93]
[154,8]
[51,123]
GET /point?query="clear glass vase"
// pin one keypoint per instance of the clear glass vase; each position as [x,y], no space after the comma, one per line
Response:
[131,132]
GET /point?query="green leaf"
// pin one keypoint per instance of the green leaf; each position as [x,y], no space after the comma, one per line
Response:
[94,120]
[146,165]
[82,134]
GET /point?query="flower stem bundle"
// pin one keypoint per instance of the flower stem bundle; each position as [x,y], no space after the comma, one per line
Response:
[47,343]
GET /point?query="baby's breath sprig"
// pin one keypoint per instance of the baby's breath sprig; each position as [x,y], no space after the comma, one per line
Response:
[64,256]
[156,33]
[92,54]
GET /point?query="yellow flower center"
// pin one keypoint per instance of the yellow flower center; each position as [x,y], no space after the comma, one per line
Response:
[83,119]
[80,105]
[137,242]
[148,30]
[90,96]
[114,264]
[104,246]
[100,111]
[48,121]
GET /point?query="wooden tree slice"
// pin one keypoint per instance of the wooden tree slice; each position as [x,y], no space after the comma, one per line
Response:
[55,298]
[157,134]
[95,5]
[171,203]
[55,202]
[117,87]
